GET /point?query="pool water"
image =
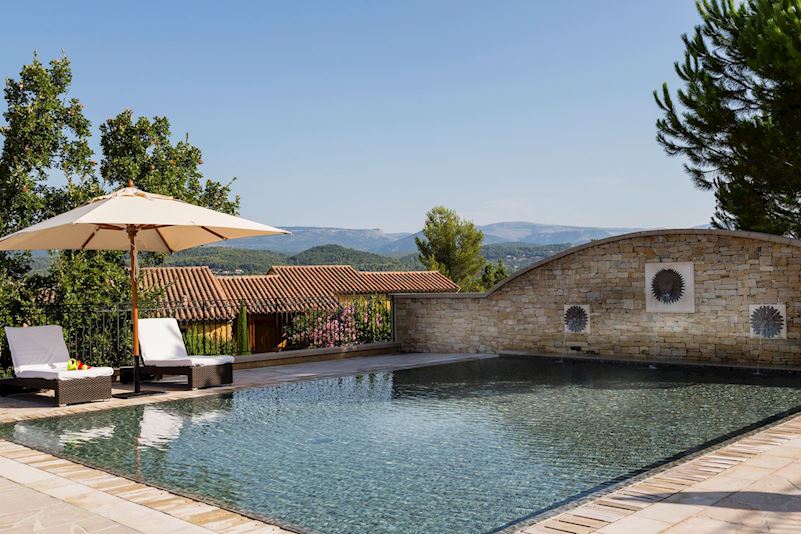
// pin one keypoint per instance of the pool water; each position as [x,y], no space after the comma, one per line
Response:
[454,449]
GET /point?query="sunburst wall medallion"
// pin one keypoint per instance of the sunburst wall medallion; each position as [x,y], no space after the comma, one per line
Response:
[670,287]
[768,321]
[667,286]
[576,319]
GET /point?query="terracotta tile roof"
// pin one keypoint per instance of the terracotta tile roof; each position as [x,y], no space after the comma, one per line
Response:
[194,293]
[266,293]
[345,280]
[315,280]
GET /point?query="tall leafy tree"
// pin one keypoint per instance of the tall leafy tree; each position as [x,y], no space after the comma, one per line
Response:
[737,119]
[142,150]
[45,133]
[452,246]
[494,273]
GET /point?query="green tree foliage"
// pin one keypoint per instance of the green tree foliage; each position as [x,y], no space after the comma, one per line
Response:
[373,318]
[493,273]
[738,118]
[452,246]
[518,255]
[46,134]
[241,330]
[226,260]
[142,150]
[202,342]
[339,255]
[411,262]
[246,261]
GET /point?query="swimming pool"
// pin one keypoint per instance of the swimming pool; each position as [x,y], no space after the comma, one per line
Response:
[453,449]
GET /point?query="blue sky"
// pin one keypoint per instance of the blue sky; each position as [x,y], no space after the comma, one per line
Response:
[365,114]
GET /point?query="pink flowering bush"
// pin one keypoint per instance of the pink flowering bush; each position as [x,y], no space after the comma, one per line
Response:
[362,321]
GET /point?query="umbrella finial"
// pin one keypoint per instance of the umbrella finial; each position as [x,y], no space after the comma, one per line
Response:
[130,183]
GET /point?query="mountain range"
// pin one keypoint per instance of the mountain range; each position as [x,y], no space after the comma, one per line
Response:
[227,260]
[401,244]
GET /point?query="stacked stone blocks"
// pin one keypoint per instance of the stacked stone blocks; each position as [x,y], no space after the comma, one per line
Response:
[732,270]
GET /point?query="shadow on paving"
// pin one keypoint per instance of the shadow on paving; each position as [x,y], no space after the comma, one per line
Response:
[762,501]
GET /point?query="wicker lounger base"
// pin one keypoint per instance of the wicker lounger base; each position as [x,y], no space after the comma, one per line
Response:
[67,391]
[203,376]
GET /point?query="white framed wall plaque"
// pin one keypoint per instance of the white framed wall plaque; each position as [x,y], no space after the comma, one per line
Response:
[670,287]
[767,321]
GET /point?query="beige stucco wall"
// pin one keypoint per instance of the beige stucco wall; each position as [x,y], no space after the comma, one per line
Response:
[732,270]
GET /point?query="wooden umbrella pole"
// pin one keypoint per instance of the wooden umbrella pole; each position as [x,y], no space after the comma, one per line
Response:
[132,231]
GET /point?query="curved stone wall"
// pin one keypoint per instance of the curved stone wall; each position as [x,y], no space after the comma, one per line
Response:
[732,270]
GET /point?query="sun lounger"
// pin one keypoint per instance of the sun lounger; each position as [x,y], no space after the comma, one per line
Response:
[164,353]
[40,360]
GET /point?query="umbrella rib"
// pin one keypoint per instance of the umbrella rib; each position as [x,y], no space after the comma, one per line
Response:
[158,231]
[215,234]
[97,229]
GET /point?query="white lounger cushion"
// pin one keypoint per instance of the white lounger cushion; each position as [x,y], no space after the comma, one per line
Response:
[40,352]
[191,361]
[161,345]
[63,374]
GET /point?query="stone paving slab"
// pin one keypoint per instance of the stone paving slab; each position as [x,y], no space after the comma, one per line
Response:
[39,495]
[750,485]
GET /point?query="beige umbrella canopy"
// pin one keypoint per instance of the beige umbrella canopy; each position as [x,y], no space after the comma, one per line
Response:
[159,224]
[131,219]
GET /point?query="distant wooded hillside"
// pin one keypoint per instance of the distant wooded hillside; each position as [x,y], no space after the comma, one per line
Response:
[514,255]
[401,244]
[225,260]
[519,255]
[337,255]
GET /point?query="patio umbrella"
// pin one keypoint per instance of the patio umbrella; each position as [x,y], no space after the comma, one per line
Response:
[131,219]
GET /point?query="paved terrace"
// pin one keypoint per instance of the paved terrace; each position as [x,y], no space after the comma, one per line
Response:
[748,486]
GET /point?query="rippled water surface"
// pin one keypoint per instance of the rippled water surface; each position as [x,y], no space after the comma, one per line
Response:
[454,449]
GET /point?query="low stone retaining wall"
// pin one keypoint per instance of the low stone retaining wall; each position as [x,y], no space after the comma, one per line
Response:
[525,313]
[268,359]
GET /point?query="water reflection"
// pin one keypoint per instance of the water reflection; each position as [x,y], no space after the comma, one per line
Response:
[372,387]
[158,427]
[36,436]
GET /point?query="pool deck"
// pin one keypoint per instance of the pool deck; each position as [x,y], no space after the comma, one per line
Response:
[42,493]
[750,485]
